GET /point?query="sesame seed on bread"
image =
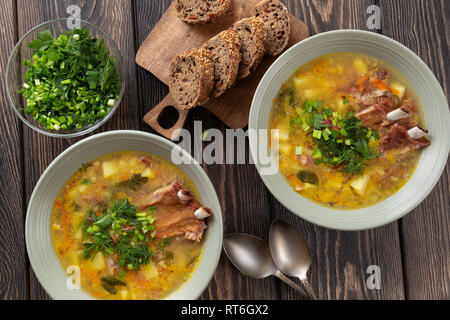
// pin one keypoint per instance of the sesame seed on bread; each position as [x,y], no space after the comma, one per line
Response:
[226,56]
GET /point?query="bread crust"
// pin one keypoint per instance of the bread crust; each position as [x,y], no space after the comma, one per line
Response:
[258,35]
[204,76]
[232,44]
[208,17]
[275,43]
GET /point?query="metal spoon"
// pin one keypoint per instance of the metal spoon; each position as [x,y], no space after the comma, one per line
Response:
[251,256]
[291,253]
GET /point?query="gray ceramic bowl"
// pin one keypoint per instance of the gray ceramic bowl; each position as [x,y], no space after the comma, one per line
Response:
[433,158]
[43,258]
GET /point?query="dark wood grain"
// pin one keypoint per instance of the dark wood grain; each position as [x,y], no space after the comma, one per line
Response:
[116,19]
[423,26]
[13,261]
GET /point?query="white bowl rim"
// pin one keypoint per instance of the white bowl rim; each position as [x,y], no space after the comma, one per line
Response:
[217,214]
[92,127]
[253,125]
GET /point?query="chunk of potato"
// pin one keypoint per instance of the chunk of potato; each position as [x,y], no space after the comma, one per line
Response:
[299,82]
[311,94]
[307,186]
[148,173]
[78,235]
[398,89]
[83,188]
[285,148]
[98,263]
[123,294]
[359,184]
[133,161]
[150,271]
[360,66]
[283,131]
[341,106]
[109,169]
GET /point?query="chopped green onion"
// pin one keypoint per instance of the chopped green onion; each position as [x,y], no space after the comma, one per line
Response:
[317,154]
[298,150]
[305,127]
[348,142]
[317,134]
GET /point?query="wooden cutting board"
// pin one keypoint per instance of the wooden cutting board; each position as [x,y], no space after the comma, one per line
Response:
[172,36]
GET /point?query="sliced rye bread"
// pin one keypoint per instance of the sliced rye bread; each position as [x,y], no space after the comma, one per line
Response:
[277,22]
[252,34]
[191,78]
[201,11]
[226,56]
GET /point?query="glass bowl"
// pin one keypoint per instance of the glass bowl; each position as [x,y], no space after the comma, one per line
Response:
[15,70]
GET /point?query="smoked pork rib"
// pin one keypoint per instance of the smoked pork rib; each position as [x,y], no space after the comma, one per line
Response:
[178,212]
[397,126]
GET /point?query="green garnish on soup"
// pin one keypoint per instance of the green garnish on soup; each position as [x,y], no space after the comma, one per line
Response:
[340,139]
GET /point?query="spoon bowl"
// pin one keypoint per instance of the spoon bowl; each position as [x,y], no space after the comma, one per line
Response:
[290,252]
[251,256]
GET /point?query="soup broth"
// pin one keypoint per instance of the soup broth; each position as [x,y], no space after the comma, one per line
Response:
[329,96]
[131,262]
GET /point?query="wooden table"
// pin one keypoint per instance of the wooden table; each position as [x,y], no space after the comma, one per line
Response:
[412,253]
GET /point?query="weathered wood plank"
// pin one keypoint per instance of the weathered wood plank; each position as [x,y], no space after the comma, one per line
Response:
[240,190]
[424,27]
[340,259]
[116,19]
[13,261]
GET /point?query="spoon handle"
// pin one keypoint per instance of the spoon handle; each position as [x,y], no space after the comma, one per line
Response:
[289,282]
[308,288]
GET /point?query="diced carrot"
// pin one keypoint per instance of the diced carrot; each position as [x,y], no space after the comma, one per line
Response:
[59,204]
[360,83]
[66,226]
[380,85]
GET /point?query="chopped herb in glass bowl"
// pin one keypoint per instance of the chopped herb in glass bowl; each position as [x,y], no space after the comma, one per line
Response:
[62,82]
